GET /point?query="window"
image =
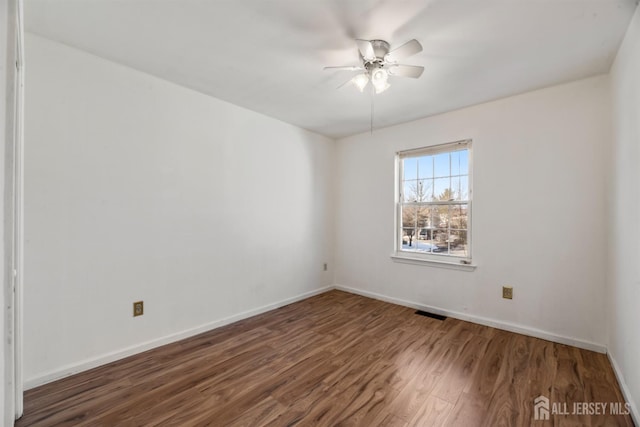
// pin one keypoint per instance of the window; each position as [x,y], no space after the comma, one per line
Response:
[434,203]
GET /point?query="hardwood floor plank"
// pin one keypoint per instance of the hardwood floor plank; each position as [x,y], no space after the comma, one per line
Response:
[260,414]
[452,383]
[334,359]
[508,404]
[391,420]
[472,406]
[365,398]
[433,412]
[408,401]
[568,385]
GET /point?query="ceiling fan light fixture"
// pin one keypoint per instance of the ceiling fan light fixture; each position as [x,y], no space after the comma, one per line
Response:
[360,81]
[378,76]
[379,80]
[382,87]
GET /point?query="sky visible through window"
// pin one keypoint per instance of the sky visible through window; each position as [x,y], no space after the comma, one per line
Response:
[435,176]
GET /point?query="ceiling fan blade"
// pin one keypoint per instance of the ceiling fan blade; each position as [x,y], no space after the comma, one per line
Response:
[412,71]
[344,84]
[345,68]
[409,48]
[366,50]
[359,80]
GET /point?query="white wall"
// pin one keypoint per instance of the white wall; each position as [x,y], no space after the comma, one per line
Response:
[539,217]
[139,189]
[624,224]
[4,35]
[8,56]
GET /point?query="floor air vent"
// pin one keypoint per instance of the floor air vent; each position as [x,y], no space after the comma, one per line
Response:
[431,315]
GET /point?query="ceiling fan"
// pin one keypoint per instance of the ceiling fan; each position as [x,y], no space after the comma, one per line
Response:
[379,62]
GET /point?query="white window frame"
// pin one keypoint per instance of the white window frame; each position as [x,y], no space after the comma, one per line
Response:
[450,261]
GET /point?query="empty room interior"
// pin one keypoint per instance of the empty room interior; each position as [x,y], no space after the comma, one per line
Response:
[356,212]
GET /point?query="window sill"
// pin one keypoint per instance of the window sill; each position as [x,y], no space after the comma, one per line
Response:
[408,259]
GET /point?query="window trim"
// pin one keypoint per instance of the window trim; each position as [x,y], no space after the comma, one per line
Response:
[412,257]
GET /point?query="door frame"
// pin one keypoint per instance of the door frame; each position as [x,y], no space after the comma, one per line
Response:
[18,222]
[13,210]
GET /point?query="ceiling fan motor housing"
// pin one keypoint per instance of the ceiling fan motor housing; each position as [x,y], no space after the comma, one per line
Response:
[380,48]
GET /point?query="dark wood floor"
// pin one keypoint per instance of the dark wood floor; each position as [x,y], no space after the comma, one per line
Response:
[335,359]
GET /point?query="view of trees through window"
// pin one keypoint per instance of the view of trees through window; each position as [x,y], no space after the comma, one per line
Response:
[434,202]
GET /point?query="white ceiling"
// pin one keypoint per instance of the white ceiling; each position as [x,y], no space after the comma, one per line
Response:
[267,55]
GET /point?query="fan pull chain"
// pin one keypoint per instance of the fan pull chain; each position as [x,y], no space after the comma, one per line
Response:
[372,110]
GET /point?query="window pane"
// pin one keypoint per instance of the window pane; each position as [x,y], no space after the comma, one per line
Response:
[409,191]
[423,216]
[425,167]
[464,187]
[426,230]
[441,216]
[410,168]
[430,218]
[460,162]
[459,243]
[424,245]
[419,239]
[455,163]
[464,162]
[409,216]
[442,190]
[442,165]
[418,190]
[426,190]
[455,188]
[427,244]
[409,240]
[440,241]
[460,187]
[459,217]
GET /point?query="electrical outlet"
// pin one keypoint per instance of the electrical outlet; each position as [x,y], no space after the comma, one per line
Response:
[138,308]
[507,292]
[325,266]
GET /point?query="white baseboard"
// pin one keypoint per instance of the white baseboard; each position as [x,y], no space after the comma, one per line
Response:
[635,415]
[511,327]
[85,365]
